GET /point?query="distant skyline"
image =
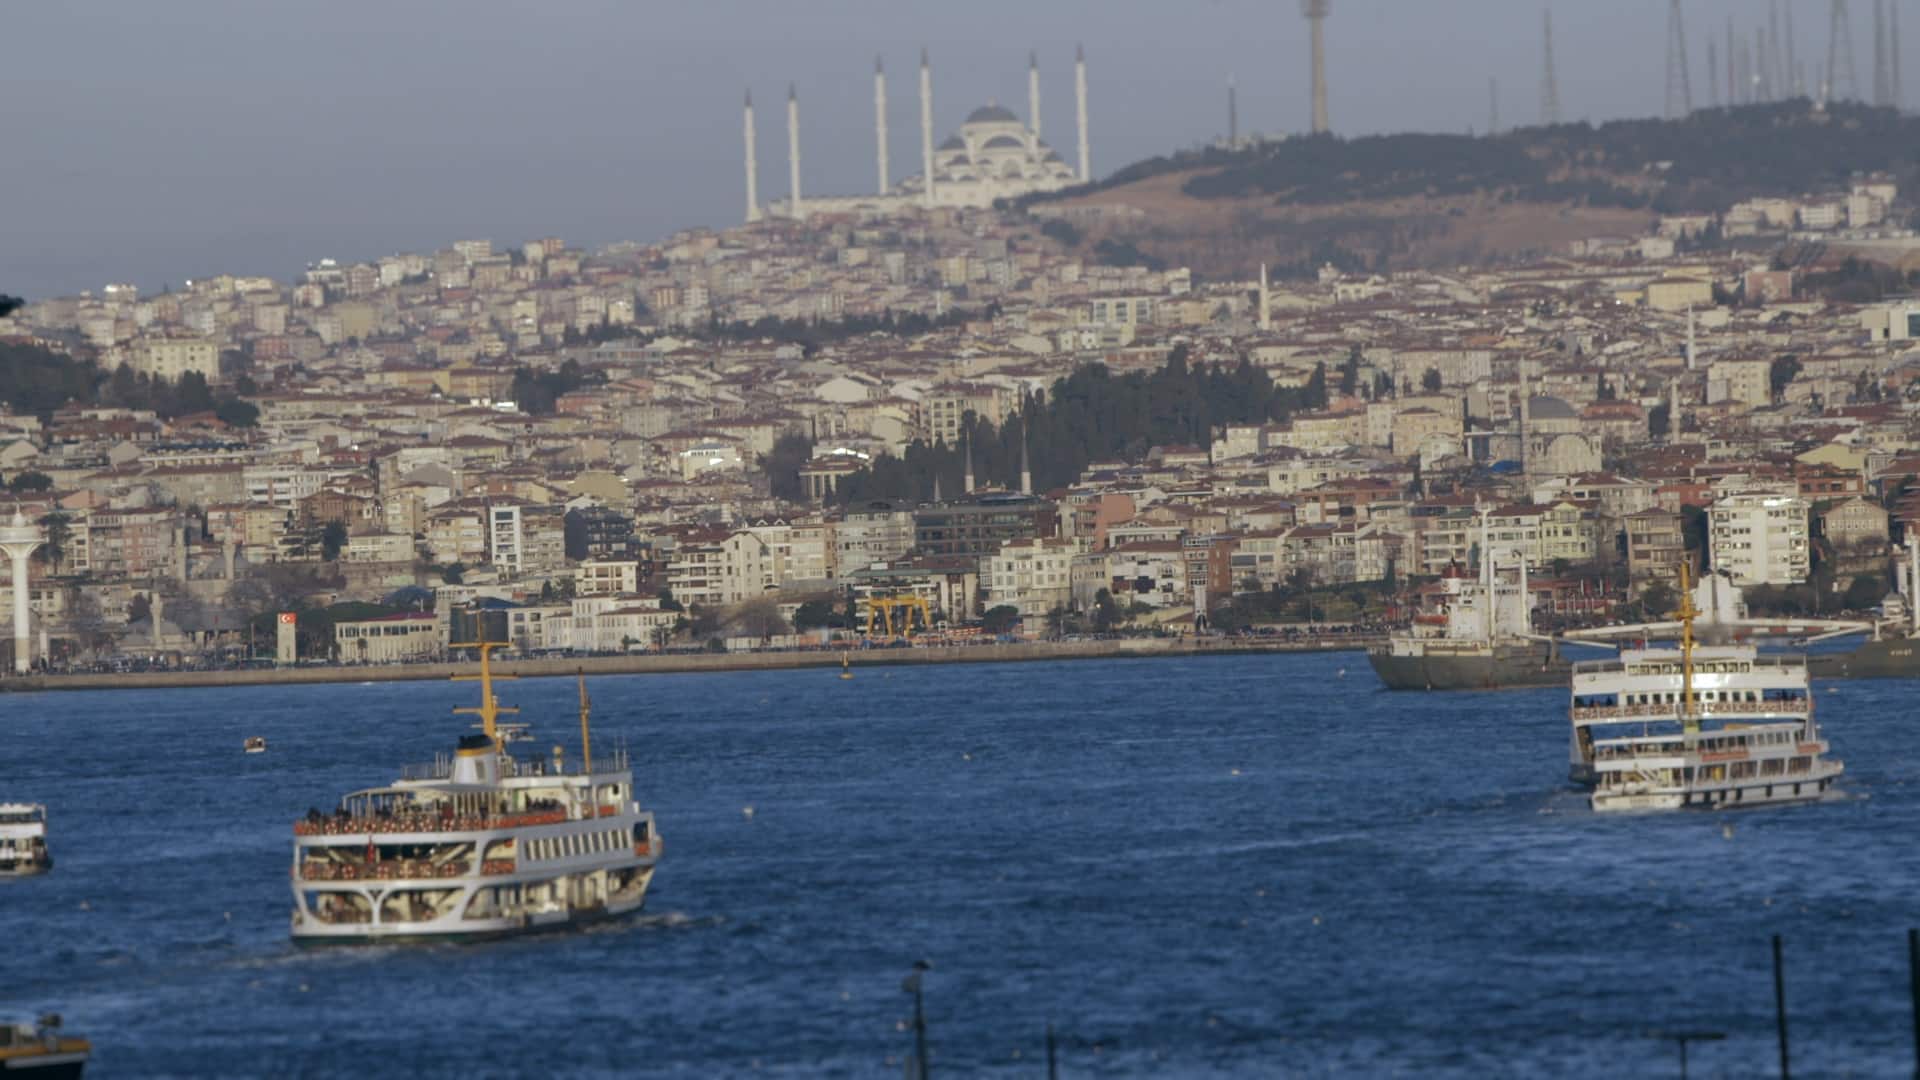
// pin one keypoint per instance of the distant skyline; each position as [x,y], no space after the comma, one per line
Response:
[155,143]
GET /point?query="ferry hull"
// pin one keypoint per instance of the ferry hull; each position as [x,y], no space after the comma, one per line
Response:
[454,929]
[1730,797]
[1506,667]
[45,1067]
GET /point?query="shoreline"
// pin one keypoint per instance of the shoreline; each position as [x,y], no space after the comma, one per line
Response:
[681,663]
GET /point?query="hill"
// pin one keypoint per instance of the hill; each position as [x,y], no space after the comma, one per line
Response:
[1393,201]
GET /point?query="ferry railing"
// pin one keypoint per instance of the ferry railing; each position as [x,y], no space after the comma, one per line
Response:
[335,825]
[1761,709]
[382,870]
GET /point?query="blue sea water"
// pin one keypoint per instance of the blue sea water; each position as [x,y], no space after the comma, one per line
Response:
[1248,866]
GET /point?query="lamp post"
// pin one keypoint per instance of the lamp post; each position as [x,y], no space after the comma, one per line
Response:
[911,985]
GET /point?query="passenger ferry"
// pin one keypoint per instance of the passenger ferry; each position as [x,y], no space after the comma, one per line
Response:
[23,839]
[1697,726]
[478,845]
[38,1051]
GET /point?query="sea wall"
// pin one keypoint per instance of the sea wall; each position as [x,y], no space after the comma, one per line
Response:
[644,664]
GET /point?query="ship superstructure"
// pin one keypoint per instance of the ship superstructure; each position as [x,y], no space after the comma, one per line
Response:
[23,839]
[479,844]
[1480,636]
[1696,726]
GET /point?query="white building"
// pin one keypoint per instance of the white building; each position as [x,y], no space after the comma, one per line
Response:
[171,358]
[1760,538]
[390,639]
[1034,575]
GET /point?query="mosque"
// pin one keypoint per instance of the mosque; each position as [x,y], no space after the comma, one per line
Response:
[994,155]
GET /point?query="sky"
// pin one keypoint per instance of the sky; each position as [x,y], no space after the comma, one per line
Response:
[152,143]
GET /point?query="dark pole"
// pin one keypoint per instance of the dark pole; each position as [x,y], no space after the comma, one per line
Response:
[1913,983]
[1780,1007]
[1683,1059]
[1053,1062]
[919,1032]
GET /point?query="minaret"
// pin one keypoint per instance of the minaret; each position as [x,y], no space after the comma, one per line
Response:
[966,449]
[18,541]
[753,167]
[926,131]
[1673,410]
[1033,100]
[880,120]
[1026,464]
[1689,339]
[794,207]
[1080,108]
[1266,312]
[1233,113]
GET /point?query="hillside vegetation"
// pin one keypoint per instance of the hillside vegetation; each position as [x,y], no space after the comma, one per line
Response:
[1417,198]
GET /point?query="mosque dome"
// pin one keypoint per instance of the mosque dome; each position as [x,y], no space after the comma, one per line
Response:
[1003,142]
[1550,408]
[992,114]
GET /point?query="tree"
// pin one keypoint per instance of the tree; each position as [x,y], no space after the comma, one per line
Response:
[55,549]
[139,606]
[667,602]
[237,413]
[1106,613]
[759,619]
[1000,619]
[29,481]
[1863,592]
[453,573]
[1658,600]
[1658,421]
[782,466]
[1780,373]
[814,614]
[333,537]
[1431,380]
[10,304]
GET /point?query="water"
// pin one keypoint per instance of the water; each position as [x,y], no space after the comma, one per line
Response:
[1207,867]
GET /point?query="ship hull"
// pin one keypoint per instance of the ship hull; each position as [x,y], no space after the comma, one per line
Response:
[47,1067]
[308,933]
[1504,667]
[1892,658]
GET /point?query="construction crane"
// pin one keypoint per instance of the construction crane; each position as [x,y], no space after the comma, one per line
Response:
[893,615]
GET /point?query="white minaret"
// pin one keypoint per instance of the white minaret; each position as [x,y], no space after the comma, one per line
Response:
[1080,108]
[794,206]
[1266,312]
[1689,339]
[1026,465]
[753,167]
[18,541]
[926,130]
[880,120]
[1033,100]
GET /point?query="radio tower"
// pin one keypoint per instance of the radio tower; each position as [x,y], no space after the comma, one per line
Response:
[1840,54]
[1316,13]
[1549,88]
[1882,94]
[1679,90]
[1713,76]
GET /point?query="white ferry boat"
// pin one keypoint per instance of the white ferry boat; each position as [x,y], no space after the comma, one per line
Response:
[23,839]
[38,1051]
[1696,726]
[481,844]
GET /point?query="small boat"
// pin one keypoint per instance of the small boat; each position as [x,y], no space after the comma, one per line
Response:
[23,840]
[38,1051]
[256,744]
[846,667]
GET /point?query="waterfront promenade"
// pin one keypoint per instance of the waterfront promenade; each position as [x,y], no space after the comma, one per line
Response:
[661,663]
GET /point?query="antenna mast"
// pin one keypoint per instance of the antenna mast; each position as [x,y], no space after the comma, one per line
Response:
[1549,86]
[1316,14]
[1679,90]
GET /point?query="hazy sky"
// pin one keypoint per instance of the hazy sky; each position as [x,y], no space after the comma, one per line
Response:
[154,142]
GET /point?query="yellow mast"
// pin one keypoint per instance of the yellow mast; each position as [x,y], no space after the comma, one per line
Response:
[1689,721]
[586,741]
[489,709]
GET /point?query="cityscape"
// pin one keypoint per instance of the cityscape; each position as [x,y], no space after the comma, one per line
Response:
[1296,499]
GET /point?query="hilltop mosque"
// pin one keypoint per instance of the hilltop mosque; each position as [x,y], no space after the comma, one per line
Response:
[992,156]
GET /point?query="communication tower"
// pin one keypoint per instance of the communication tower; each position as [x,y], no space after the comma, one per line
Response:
[1549,87]
[1316,13]
[1679,90]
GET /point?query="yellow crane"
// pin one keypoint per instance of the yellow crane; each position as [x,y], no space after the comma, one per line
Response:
[893,615]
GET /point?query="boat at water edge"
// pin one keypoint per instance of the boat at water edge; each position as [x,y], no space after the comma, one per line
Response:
[478,845]
[23,840]
[38,1051]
